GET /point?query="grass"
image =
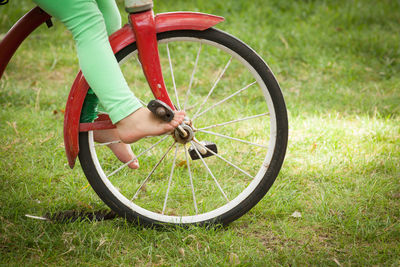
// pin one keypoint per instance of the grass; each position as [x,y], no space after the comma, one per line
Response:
[337,64]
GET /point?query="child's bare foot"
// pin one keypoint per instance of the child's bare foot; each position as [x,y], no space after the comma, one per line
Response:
[143,122]
[139,124]
[123,151]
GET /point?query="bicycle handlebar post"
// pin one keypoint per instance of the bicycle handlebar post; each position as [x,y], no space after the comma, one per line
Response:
[134,6]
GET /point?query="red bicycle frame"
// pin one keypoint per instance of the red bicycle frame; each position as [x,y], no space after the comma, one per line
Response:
[142,29]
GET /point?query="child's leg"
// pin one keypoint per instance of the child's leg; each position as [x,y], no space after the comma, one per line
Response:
[97,61]
[89,29]
[133,129]
[101,70]
[112,17]
[124,153]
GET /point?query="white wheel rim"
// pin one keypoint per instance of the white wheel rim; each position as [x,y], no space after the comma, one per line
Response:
[232,203]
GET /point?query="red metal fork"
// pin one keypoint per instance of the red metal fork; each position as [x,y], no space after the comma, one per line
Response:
[144,28]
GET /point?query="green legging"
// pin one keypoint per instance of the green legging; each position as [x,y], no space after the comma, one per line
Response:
[90,22]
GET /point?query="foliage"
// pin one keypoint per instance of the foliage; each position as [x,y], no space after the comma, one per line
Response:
[337,63]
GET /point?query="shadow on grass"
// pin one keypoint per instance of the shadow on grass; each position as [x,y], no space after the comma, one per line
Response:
[74,215]
[70,216]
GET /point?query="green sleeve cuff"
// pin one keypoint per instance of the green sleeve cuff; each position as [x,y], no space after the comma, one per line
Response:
[124,110]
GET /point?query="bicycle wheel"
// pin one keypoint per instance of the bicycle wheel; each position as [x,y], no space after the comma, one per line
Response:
[232,100]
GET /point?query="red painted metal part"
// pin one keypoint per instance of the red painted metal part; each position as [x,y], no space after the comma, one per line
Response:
[72,116]
[119,40]
[18,33]
[173,21]
[103,122]
[144,26]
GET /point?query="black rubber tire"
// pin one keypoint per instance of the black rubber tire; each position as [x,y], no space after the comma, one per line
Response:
[278,154]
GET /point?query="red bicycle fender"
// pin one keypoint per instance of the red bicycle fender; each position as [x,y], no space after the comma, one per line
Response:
[118,40]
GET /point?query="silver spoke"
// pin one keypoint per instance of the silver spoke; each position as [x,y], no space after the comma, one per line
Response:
[223,100]
[170,179]
[192,77]
[215,85]
[191,180]
[142,102]
[173,77]
[209,171]
[138,60]
[232,138]
[227,161]
[152,171]
[135,158]
[190,108]
[108,143]
[234,121]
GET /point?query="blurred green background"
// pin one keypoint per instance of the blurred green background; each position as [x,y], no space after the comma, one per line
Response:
[338,65]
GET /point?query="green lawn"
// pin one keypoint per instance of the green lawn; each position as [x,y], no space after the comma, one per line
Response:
[338,64]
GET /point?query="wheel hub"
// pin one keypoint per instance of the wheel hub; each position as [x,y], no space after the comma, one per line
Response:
[178,136]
